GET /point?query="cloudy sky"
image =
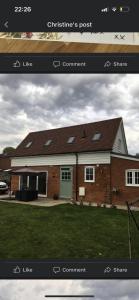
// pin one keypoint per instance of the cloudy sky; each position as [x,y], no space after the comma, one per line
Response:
[101,289]
[39,102]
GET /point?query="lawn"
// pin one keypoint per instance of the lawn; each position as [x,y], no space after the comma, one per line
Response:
[65,231]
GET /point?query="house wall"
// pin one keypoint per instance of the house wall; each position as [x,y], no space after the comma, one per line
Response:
[5,162]
[107,177]
[61,159]
[120,135]
[98,191]
[118,180]
[14,183]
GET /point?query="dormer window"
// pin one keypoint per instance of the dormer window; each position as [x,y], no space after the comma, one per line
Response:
[28,144]
[96,136]
[71,139]
[48,142]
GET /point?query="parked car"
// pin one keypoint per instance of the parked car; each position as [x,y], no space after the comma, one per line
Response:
[3,187]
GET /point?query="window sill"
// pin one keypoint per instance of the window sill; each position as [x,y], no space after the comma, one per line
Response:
[133,185]
[91,181]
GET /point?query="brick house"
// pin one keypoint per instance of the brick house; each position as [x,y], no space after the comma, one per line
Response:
[5,164]
[88,161]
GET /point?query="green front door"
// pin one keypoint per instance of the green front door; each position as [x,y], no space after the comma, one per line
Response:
[66,182]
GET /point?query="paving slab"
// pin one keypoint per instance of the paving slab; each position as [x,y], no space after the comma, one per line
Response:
[39,202]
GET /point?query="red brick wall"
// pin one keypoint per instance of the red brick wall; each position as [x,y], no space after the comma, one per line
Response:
[118,168]
[53,185]
[107,177]
[98,191]
[14,183]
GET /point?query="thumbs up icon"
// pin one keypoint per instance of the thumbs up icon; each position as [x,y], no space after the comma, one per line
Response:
[16,270]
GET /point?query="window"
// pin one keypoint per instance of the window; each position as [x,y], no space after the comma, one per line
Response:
[48,142]
[96,136]
[71,140]
[137,177]
[65,174]
[28,144]
[23,182]
[89,174]
[132,177]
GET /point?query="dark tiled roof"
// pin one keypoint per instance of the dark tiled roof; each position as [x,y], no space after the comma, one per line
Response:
[83,139]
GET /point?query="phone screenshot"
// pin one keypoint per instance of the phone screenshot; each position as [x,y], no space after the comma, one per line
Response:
[69,150]
[70,289]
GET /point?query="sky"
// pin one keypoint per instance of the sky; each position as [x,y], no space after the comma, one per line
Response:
[34,102]
[101,289]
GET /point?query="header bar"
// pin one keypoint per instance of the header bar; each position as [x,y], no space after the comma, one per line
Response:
[70,16]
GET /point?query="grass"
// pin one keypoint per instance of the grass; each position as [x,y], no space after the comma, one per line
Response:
[64,231]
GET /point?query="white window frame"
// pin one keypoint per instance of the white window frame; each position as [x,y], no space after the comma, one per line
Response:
[133,177]
[65,169]
[19,182]
[86,167]
[37,183]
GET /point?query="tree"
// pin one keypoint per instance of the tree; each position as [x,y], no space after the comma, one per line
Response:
[8,150]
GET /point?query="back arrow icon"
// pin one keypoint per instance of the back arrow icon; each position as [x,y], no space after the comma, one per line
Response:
[6,24]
